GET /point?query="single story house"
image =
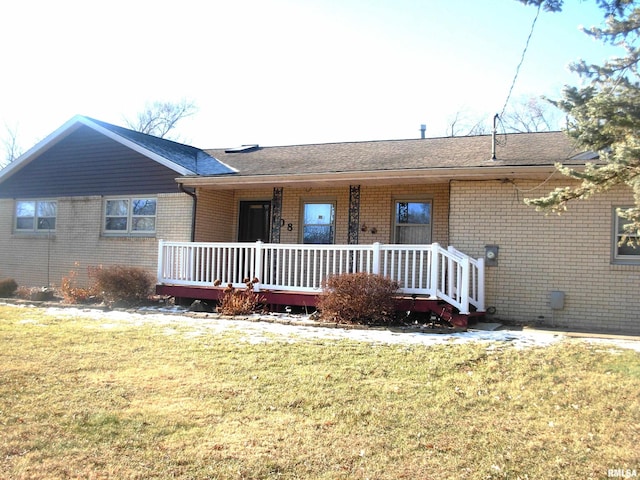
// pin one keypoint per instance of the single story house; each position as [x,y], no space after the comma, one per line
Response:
[443,216]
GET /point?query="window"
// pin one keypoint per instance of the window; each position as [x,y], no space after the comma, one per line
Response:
[319,223]
[36,215]
[624,253]
[130,216]
[412,222]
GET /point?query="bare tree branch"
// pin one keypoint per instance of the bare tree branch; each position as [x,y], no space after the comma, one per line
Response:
[160,118]
[532,115]
[12,147]
[460,125]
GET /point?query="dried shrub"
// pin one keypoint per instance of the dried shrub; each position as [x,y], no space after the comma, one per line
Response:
[240,301]
[40,294]
[358,298]
[122,285]
[73,293]
[8,287]
[23,292]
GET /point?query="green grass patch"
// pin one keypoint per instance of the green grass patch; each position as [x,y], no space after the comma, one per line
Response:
[79,400]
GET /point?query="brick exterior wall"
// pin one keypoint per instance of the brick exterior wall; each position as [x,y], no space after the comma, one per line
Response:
[78,243]
[542,253]
[217,213]
[538,254]
[377,210]
[215,216]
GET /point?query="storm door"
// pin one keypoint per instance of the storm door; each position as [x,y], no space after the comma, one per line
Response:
[254,221]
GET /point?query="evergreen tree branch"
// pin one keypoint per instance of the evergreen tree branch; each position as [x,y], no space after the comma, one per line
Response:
[604,116]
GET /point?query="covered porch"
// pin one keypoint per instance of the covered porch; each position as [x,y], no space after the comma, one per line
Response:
[292,273]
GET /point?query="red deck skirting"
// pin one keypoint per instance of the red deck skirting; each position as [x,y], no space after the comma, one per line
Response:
[271,297]
[299,299]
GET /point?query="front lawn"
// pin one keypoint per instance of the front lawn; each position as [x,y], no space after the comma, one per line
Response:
[80,398]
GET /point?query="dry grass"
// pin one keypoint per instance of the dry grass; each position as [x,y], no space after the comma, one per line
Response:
[79,400]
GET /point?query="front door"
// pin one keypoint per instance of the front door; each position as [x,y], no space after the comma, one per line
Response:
[254,221]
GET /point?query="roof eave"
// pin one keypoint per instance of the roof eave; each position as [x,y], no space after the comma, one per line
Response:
[432,175]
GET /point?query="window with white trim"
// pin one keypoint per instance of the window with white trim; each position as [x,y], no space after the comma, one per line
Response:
[125,216]
[36,215]
[412,222]
[624,252]
[318,222]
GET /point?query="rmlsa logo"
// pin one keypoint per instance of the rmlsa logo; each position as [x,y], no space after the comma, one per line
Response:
[621,473]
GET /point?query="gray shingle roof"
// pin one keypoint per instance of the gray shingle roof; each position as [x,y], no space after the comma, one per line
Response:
[520,149]
[189,157]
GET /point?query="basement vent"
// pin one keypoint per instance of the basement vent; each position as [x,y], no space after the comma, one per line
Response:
[243,148]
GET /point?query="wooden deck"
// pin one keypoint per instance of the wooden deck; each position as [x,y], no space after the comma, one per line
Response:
[425,270]
[432,279]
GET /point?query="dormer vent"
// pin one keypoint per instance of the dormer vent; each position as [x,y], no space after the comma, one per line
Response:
[243,148]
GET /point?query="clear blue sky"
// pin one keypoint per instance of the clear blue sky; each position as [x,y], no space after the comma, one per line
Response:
[279,72]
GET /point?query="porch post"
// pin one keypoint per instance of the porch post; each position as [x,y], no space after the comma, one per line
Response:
[375,264]
[160,260]
[354,214]
[481,284]
[464,287]
[276,214]
[257,266]
[435,270]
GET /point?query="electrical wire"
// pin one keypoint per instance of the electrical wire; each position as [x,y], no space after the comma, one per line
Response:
[501,142]
[519,190]
[540,185]
[524,52]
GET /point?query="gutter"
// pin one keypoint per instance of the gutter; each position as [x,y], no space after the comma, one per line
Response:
[193,209]
[372,177]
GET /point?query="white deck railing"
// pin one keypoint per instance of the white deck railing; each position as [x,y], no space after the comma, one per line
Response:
[419,269]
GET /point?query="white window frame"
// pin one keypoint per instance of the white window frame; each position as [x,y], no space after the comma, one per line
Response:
[129,217]
[617,257]
[39,223]
[332,224]
[394,217]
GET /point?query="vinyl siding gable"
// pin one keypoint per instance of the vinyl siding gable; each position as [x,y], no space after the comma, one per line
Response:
[88,163]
